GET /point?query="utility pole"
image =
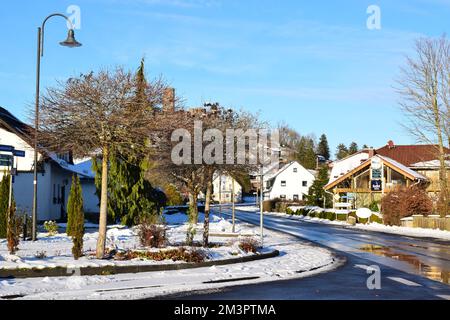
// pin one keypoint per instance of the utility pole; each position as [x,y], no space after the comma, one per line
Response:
[232,205]
[261,206]
[11,183]
[220,195]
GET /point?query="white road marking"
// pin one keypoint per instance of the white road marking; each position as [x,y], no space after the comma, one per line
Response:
[445,297]
[404,281]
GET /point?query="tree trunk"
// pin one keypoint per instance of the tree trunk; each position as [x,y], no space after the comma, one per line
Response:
[443,195]
[103,206]
[207,210]
[193,207]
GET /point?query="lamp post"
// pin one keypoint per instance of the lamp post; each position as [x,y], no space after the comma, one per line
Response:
[71,43]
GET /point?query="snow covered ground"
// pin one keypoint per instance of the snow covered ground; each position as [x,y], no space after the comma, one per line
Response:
[405,231]
[296,259]
[55,251]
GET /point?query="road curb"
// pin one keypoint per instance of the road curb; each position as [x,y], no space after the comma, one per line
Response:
[117,269]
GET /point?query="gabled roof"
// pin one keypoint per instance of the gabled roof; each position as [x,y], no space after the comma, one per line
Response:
[14,125]
[411,174]
[410,154]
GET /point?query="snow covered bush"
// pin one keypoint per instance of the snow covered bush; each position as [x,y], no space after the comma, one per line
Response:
[151,234]
[51,227]
[249,245]
[404,202]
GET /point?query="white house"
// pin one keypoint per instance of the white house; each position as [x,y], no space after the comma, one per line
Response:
[223,189]
[54,173]
[290,182]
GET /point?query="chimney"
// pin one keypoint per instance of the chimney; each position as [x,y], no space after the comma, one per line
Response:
[391,144]
[371,152]
[169,100]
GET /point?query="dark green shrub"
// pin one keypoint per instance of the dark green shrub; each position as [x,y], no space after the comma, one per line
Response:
[330,216]
[374,206]
[4,199]
[75,217]
[289,211]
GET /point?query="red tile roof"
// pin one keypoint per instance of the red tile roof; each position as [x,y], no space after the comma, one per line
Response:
[410,154]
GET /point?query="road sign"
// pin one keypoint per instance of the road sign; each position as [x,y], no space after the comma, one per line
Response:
[6,148]
[19,153]
[5,160]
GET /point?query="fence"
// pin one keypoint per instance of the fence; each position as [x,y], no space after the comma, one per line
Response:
[429,222]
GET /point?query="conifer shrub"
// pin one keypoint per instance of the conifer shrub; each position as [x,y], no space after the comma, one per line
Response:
[13,230]
[75,217]
[4,199]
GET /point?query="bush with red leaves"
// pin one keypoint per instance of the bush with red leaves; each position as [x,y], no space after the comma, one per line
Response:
[249,245]
[179,254]
[151,234]
[404,202]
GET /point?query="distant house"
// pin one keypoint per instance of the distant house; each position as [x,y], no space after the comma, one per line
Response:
[291,182]
[366,176]
[223,189]
[55,173]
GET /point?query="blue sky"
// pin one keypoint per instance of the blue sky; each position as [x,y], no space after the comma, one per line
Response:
[312,64]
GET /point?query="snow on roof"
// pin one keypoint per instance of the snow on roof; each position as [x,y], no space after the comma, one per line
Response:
[402,167]
[432,164]
[346,165]
[83,168]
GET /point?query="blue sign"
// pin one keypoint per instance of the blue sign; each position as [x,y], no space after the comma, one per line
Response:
[5,160]
[6,148]
[376,185]
[19,153]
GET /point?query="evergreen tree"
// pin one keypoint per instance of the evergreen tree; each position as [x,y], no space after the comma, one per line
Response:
[4,199]
[173,196]
[316,193]
[323,149]
[306,154]
[75,217]
[75,212]
[353,148]
[341,151]
[130,194]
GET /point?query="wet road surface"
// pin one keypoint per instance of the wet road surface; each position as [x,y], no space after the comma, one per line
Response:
[411,268]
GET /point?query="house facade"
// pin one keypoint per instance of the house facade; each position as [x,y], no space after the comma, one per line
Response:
[54,174]
[291,182]
[365,177]
[223,189]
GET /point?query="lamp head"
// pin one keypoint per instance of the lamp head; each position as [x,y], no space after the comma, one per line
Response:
[70,41]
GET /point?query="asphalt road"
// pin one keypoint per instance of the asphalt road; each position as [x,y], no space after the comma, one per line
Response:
[410,268]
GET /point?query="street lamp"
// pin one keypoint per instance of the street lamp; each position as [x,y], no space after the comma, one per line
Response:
[71,43]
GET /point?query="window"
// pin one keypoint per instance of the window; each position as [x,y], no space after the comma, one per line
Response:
[295,170]
[295,197]
[282,196]
[283,183]
[304,183]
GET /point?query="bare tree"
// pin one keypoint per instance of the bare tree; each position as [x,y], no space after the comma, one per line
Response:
[94,114]
[425,91]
